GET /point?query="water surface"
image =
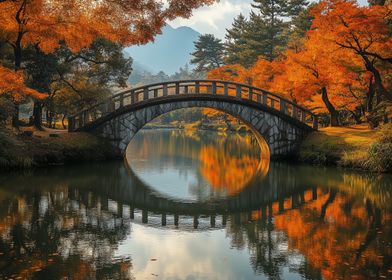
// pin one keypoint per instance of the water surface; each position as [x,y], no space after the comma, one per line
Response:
[195,205]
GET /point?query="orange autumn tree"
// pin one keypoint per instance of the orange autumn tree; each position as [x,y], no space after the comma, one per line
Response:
[48,24]
[318,76]
[360,31]
[12,86]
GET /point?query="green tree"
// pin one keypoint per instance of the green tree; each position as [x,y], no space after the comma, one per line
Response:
[73,80]
[236,44]
[274,14]
[377,2]
[208,53]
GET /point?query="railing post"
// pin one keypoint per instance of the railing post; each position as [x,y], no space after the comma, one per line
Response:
[132,96]
[165,90]
[226,89]
[283,106]
[238,91]
[145,93]
[214,88]
[121,100]
[315,122]
[265,96]
[303,116]
[177,88]
[197,88]
[295,112]
[250,93]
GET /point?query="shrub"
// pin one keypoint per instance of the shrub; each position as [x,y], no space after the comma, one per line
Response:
[380,152]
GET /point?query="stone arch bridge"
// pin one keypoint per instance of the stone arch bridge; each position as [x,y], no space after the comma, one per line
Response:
[278,124]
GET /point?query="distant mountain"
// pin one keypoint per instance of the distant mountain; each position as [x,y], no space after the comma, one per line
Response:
[170,50]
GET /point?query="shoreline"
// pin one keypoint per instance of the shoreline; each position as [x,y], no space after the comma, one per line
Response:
[345,148]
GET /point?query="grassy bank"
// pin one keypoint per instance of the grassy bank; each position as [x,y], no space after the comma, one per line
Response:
[353,147]
[26,149]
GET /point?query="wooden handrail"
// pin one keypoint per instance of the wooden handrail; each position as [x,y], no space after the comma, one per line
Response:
[240,91]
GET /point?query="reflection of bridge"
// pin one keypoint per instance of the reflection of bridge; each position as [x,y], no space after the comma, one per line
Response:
[140,203]
[278,123]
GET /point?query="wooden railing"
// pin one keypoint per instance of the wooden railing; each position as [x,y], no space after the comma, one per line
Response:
[192,87]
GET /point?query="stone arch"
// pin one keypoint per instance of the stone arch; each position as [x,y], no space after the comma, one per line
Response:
[276,136]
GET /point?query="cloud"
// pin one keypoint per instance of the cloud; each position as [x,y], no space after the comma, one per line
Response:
[215,19]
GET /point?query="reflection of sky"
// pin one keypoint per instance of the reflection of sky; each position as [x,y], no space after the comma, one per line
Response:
[187,255]
[170,180]
[178,174]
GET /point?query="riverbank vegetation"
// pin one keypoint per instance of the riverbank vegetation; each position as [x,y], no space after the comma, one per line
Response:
[32,148]
[355,147]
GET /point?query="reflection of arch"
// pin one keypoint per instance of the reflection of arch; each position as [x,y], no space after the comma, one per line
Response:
[148,206]
[278,123]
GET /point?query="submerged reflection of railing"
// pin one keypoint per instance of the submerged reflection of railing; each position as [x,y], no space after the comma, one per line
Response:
[198,218]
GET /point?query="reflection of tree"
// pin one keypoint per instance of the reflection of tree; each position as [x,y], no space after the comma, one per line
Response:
[226,172]
[268,255]
[60,233]
[227,164]
[344,243]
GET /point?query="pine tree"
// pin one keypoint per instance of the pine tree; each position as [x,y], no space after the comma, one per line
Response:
[208,53]
[377,2]
[236,43]
[273,12]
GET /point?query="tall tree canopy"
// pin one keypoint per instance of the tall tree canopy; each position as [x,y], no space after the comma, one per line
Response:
[208,53]
[266,32]
[47,25]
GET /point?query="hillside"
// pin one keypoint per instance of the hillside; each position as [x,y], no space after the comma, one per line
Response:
[170,50]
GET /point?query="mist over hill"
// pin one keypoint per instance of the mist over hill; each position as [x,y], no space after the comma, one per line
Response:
[170,51]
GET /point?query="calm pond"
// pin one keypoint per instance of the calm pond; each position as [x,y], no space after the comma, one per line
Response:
[195,205]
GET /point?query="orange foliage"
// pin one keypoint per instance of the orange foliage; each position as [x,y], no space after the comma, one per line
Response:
[12,84]
[235,73]
[227,173]
[333,243]
[77,23]
[345,41]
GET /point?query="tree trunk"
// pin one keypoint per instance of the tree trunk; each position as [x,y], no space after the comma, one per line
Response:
[370,96]
[17,64]
[334,114]
[63,122]
[37,114]
[377,79]
[15,116]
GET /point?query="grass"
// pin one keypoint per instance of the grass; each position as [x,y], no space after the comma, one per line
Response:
[18,151]
[354,147]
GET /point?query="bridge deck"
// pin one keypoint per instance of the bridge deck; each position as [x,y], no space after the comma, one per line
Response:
[167,90]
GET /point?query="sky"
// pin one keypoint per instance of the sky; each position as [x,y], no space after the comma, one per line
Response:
[216,18]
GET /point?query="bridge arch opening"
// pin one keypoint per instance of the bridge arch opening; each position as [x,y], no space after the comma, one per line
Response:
[265,152]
